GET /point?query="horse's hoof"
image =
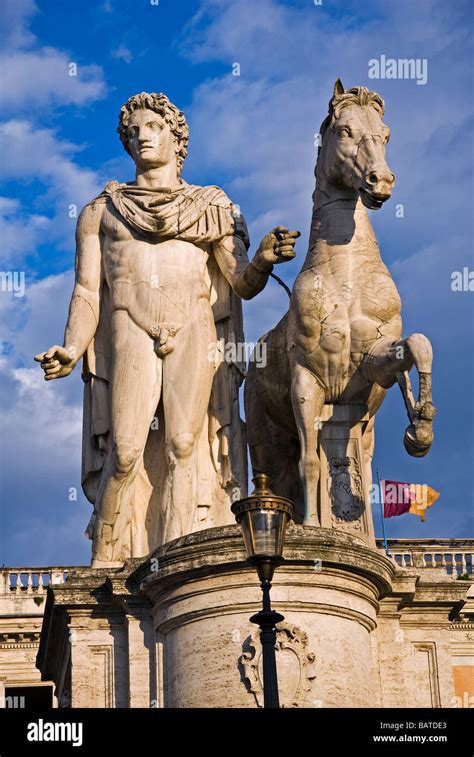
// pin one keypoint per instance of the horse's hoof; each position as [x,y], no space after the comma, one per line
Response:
[418,441]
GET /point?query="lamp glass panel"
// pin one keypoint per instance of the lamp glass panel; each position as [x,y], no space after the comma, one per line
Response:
[264,532]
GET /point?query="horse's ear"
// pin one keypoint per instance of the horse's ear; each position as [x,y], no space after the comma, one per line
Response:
[338,87]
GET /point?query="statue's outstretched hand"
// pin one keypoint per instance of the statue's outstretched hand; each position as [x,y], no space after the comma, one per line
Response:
[278,246]
[56,362]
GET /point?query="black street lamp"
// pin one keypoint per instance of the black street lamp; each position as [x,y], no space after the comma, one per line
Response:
[263,518]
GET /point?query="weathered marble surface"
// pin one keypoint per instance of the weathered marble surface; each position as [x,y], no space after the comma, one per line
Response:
[161,267]
[341,342]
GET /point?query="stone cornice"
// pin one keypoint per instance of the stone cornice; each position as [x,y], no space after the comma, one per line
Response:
[204,551]
[417,593]
[19,636]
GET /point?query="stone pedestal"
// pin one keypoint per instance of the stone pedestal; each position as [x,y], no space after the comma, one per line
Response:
[201,598]
[174,630]
[344,450]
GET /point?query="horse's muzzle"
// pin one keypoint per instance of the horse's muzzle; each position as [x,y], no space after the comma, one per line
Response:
[373,200]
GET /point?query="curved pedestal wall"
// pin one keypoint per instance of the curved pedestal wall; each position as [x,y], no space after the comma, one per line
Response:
[209,655]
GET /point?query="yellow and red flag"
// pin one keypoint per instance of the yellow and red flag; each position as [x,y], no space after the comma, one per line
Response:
[401,497]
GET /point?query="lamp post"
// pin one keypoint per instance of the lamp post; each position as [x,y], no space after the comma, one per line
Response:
[263,518]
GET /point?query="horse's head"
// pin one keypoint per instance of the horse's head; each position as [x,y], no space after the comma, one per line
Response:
[354,136]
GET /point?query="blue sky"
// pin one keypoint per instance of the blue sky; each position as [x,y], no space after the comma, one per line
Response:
[253,135]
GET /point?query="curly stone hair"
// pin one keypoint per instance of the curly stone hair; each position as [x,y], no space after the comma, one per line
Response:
[159,103]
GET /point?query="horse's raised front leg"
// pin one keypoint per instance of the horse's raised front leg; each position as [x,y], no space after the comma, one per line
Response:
[419,434]
[390,361]
[307,398]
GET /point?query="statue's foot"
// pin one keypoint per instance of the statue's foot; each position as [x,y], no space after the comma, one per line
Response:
[311,520]
[96,563]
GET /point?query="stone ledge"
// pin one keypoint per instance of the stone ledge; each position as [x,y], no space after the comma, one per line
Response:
[223,548]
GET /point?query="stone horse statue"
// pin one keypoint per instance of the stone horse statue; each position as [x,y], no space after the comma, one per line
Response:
[341,340]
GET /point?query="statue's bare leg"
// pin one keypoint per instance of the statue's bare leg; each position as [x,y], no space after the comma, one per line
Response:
[307,399]
[188,373]
[135,388]
[390,361]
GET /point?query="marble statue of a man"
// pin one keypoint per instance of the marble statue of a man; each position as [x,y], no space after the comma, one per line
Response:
[161,266]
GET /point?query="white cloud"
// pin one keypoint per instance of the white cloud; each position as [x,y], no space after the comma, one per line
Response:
[37,154]
[122,53]
[41,417]
[429,303]
[19,232]
[215,34]
[41,78]
[14,21]
[32,76]
[41,422]
[32,323]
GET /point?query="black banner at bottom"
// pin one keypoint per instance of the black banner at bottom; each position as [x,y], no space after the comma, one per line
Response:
[381,731]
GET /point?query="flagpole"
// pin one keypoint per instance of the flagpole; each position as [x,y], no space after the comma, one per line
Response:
[382,512]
